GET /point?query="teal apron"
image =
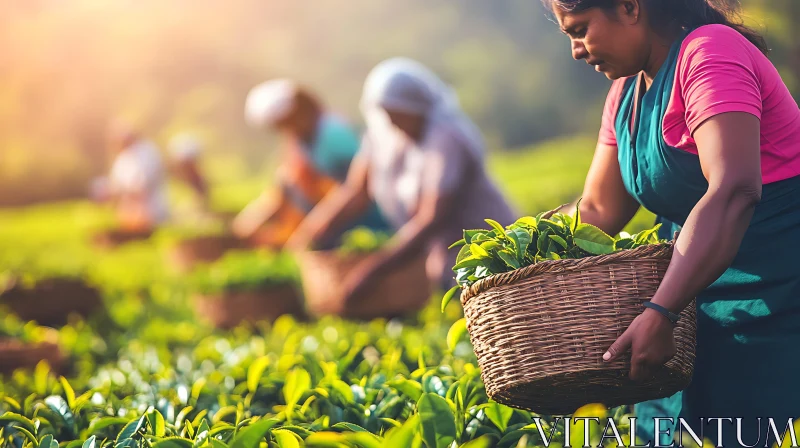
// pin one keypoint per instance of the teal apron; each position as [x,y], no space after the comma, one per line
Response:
[749,319]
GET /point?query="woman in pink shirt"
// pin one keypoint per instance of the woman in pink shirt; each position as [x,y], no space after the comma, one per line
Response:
[700,129]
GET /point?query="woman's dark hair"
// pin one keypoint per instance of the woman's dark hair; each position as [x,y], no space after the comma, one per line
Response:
[688,14]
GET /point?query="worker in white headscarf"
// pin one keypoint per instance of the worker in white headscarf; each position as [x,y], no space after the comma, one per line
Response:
[184,150]
[422,161]
[318,147]
[137,183]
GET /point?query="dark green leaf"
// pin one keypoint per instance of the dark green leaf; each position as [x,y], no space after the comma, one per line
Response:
[560,241]
[130,430]
[509,259]
[343,426]
[438,421]
[174,442]
[499,414]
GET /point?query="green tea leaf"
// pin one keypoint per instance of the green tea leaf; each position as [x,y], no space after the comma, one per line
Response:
[255,371]
[593,240]
[449,296]
[509,259]
[410,388]
[463,253]
[298,382]
[90,442]
[104,422]
[156,422]
[69,393]
[527,221]
[456,332]
[499,230]
[403,436]
[133,427]
[343,426]
[174,442]
[478,251]
[469,235]
[624,243]
[48,442]
[458,243]
[326,439]
[469,262]
[364,440]
[287,439]
[438,421]
[11,417]
[484,441]
[560,241]
[251,436]
[499,414]
[344,390]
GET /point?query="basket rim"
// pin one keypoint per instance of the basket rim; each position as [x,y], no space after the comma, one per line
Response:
[650,251]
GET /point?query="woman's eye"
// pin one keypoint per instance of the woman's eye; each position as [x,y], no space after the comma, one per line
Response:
[580,33]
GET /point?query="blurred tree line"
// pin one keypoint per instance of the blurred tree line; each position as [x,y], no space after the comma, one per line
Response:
[67,69]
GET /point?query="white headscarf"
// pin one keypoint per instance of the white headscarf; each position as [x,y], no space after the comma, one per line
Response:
[269,102]
[184,147]
[405,85]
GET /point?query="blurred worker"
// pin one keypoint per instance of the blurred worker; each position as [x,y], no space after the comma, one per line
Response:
[317,148]
[136,182]
[184,150]
[423,162]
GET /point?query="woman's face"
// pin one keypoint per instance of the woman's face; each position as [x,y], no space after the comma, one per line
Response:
[613,41]
[410,124]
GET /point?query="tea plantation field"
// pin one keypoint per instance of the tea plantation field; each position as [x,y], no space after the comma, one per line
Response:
[148,370]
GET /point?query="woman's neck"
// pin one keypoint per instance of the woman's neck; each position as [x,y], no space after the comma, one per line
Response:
[659,52]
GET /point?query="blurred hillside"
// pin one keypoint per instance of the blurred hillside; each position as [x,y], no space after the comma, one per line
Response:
[68,68]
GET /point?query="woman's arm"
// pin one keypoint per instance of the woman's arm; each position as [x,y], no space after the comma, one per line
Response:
[338,208]
[729,149]
[411,238]
[257,213]
[606,203]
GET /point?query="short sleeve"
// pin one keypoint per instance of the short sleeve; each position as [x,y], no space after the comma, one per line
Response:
[608,133]
[717,74]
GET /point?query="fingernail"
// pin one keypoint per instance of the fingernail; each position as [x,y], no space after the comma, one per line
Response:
[606,356]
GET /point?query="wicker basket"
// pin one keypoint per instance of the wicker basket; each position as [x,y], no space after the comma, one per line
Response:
[227,310]
[540,332]
[15,354]
[110,239]
[403,292]
[187,253]
[51,301]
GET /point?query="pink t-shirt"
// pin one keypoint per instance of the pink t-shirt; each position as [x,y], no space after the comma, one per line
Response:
[720,71]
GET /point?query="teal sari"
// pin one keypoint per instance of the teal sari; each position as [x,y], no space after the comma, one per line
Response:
[748,319]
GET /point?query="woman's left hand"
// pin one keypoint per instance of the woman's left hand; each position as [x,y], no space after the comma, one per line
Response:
[651,339]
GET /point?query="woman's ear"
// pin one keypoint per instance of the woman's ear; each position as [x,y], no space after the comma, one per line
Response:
[630,11]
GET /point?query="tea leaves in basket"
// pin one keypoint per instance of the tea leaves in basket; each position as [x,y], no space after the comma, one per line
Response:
[530,240]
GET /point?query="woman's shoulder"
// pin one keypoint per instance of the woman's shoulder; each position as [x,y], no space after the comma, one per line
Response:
[716,39]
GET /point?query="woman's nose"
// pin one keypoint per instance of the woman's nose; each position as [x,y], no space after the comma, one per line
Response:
[578,50]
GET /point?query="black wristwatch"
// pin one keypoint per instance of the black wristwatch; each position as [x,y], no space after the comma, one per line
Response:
[667,313]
